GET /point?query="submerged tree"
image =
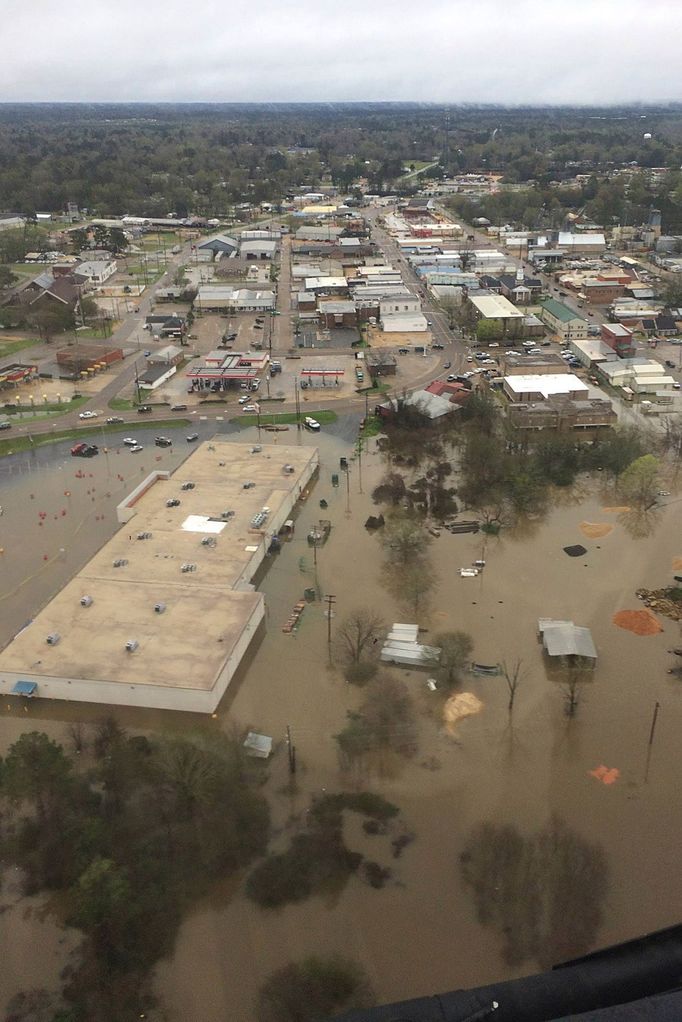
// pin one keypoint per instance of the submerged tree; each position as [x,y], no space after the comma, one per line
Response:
[314,989]
[544,892]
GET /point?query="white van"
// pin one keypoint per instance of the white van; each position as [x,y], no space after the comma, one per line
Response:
[311,424]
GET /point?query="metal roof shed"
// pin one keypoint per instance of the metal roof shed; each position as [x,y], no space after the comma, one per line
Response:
[563,638]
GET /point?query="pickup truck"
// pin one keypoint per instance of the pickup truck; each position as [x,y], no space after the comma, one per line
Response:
[84,451]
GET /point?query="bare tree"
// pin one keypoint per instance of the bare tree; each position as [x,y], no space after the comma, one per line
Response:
[356,635]
[405,540]
[577,673]
[514,675]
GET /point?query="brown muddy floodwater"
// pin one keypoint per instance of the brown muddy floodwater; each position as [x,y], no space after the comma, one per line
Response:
[512,822]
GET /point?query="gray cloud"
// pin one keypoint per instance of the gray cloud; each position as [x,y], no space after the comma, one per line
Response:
[505,51]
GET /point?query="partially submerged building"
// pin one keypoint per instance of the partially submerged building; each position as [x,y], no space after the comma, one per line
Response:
[564,640]
[162,615]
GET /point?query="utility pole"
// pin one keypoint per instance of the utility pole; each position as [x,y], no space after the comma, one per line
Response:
[651,740]
[298,404]
[360,464]
[330,601]
[291,750]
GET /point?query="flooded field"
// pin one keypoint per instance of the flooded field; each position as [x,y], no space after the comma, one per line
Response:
[512,821]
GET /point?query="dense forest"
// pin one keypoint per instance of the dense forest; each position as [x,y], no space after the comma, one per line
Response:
[152,159]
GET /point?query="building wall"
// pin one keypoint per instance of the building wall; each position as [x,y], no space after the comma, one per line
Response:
[602,295]
[84,690]
[574,329]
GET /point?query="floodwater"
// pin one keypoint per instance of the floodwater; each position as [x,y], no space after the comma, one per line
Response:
[564,861]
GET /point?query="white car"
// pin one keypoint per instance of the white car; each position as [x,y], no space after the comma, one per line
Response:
[87,415]
[244,399]
[136,447]
[311,423]
[129,442]
[250,408]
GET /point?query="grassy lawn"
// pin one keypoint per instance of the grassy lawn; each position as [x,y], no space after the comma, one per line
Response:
[373,427]
[51,407]
[95,333]
[13,445]
[10,347]
[121,404]
[285,418]
[29,270]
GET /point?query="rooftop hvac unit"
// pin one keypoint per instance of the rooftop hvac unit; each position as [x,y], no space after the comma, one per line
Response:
[53,638]
[144,535]
[159,608]
[131,645]
[86,601]
[188,567]
[120,562]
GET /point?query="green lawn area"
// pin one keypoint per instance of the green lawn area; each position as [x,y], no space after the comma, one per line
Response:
[95,333]
[25,270]
[285,418]
[51,407]
[373,427]
[10,347]
[13,445]
[156,242]
[121,404]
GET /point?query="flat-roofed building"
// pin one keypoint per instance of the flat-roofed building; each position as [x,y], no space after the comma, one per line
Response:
[215,297]
[563,415]
[540,388]
[619,339]
[164,621]
[536,365]
[592,351]
[496,308]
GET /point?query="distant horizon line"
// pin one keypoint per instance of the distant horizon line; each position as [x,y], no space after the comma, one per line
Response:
[468,104]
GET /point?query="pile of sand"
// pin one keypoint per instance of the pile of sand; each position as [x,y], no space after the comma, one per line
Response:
[457,707]
[605,774]
[677,563]
[616,510]
[639,622]
[595,530]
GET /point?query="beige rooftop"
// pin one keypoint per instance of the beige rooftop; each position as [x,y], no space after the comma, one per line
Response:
[189,627]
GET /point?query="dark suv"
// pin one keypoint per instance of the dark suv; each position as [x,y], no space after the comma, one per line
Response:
[144,409]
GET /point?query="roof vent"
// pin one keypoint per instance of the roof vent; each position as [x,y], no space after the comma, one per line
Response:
[159,608]
[144,535]
[53,638]
[188,567]
[120,562]
[131,645]
[86,601]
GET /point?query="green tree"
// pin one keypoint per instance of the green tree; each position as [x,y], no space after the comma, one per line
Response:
[102,897]
[488,330]
[455,655]
[639,483]
[404,539]
[37,771]
[313,989]
[7,277]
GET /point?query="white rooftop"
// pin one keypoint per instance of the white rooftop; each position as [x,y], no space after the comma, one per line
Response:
[496,307]
[549,386]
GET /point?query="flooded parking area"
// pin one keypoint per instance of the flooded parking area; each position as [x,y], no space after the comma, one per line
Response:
[536,836]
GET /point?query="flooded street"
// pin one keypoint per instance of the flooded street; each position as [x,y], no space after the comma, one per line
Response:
[590,863]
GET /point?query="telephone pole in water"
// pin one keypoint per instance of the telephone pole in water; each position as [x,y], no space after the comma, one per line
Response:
[330,601]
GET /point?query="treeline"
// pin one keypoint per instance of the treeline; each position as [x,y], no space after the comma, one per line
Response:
[151,160]
[625,200]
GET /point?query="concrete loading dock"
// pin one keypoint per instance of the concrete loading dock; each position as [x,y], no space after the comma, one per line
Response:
[170,615]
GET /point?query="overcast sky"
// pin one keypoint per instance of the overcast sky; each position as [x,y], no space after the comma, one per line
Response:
[505,51]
